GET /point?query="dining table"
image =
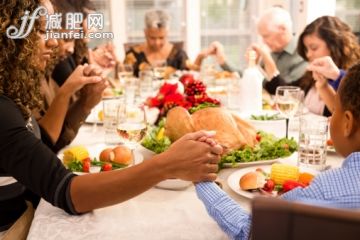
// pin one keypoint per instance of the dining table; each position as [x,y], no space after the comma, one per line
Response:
[157,214]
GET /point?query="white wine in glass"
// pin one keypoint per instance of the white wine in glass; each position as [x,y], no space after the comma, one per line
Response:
[287,99]
[131,125]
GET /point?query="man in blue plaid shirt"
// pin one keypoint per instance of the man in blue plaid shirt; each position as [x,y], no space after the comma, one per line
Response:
[336,187]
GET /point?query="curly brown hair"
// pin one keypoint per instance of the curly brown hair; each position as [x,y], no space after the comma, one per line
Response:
[19,77]
[339,38]
[341,42]
[349,91]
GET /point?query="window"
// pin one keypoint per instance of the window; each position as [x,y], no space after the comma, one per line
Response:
[349,12]
[102,6]
[135,12]
[229,22]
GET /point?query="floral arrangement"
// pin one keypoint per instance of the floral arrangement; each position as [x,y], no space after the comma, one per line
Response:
[194,96]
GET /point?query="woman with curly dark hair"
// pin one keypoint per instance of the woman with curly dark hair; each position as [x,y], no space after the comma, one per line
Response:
[325,36]
[26,163]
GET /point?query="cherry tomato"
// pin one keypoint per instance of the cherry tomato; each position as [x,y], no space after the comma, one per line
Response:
[107,167]
[258,137]
[286,146]
[291,184]
[330,142]
[86,165]
[269,185]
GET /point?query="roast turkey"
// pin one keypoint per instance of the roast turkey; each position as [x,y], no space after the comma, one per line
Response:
[232,132]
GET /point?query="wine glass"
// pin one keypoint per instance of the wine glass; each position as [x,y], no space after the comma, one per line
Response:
[287,100]
[131,125]
[159,68]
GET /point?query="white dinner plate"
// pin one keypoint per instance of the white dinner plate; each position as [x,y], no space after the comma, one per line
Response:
[95,150]
[234,178]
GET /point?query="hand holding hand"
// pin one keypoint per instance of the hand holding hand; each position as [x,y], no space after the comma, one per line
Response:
[320,80]
[217,49]
[324,66]
[193,160]
[79,78]
[103,56]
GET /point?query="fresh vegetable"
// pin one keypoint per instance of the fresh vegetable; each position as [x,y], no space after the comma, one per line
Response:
[77,153]
[258,137]
[268,148]
[269,185]
[77,166]
[306,178]
[202,106]
[107,167]
[265,117]
[290,185]
[155,140]
[283,172]
[86,165]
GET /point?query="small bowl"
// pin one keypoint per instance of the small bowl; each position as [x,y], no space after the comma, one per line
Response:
[170,184]
[276,126]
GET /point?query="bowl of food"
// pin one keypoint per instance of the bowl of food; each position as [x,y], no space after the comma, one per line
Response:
[156,142]
[268,121]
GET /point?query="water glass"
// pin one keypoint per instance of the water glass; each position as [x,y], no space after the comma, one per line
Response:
[145,84]
[312,142]
[110,108]
[131,87]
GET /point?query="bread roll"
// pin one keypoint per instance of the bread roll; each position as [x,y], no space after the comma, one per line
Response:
[252,180]
[123,155]
[107,155]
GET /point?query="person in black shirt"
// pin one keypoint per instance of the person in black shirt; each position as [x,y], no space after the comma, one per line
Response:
[26,162]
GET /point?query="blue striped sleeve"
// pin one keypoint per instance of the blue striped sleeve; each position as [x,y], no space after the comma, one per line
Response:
[335,84]
[232,219]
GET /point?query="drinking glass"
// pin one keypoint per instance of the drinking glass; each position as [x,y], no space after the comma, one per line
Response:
[287,100]
[125,71]
[145,84]
[313,135]
[131,125]
[159,68]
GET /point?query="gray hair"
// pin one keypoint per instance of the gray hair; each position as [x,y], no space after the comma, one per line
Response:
[276,16]
[157,19]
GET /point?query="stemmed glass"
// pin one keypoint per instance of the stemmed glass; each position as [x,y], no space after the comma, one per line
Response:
[131,125]
[287,100]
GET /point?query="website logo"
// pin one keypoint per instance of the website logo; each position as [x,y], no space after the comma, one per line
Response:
[73,25]
[17,33]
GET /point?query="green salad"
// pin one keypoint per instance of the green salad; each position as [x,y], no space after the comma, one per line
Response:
[268,148]
[266,117]
[155,140]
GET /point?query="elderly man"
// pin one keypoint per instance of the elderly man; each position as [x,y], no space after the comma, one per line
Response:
[280,56]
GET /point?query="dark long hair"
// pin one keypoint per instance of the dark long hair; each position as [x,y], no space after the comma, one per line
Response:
[341,42]
[339,39]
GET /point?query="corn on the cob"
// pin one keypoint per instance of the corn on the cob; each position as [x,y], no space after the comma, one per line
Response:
[282,172]
[77,153]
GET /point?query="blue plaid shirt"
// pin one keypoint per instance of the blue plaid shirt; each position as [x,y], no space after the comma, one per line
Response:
[338,187]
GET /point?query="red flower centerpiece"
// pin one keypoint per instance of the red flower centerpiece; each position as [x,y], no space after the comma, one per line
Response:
[194,97]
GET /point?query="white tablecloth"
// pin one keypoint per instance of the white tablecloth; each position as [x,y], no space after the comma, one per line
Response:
[154,215]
